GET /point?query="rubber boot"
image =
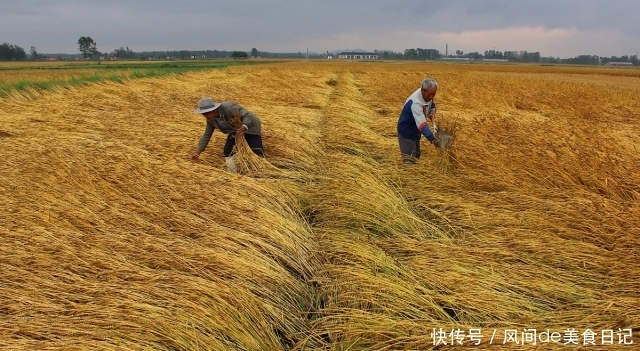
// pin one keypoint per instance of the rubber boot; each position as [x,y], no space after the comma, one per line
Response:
[231,164]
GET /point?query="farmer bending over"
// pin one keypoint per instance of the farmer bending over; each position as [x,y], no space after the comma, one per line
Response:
[418,108]
[233,120]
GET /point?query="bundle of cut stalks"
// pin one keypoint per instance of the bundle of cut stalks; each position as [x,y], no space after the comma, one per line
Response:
[445,159]
[248,163]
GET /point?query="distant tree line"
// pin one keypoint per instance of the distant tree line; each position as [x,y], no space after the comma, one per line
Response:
[88,50]
[595,60]
[9,52]
[511,56]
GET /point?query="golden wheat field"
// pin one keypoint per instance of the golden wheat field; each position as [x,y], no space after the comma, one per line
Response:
[523,236]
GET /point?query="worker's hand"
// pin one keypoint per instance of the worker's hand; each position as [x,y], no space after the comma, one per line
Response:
[240,131]
[432,114]
[195,156]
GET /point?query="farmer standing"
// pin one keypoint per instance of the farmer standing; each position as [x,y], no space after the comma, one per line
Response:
[418,108]
[233,120]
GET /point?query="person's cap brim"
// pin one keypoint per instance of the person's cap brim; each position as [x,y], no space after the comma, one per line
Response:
[208,109]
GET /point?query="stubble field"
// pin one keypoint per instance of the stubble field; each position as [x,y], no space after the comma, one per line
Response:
[111,238]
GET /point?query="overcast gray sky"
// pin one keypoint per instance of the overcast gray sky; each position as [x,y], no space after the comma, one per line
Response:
[560,28]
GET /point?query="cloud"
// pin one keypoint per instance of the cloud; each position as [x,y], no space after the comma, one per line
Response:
[551,27]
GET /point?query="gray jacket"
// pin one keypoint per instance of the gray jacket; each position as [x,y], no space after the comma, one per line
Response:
[229,109]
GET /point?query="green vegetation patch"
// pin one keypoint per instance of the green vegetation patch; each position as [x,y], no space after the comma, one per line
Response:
[49,75]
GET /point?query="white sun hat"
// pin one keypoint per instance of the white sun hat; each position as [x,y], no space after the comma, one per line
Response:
[205,105]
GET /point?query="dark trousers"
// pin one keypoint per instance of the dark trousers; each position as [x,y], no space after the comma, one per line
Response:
[254,141]
[409,149]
